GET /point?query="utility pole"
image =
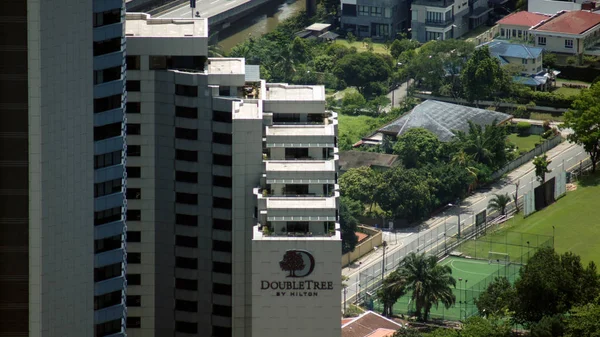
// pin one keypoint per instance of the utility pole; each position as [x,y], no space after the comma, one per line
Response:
[384,244]
[458,208]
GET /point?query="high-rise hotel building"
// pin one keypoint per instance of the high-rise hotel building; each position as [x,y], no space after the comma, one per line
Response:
[232,196]
[62,160]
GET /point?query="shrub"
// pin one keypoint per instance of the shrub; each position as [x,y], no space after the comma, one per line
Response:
[523,128]
[571,60]
[350,37]
[547,134]
[546,125]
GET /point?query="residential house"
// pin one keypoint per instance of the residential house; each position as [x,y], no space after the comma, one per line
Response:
[568,32]
[528,59]
[377,19]
[552,7]
[446,19]
[370,324]
[320,31]
[376,161]
[441,118]
[516,25]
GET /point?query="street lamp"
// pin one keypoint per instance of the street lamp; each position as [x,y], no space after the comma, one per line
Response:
[384,244]
[358,283]
[460,297]
[466,298]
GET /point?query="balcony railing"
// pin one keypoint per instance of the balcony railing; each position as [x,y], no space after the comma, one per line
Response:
[444,23]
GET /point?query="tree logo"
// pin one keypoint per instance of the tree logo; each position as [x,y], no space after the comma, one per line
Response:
[299,263]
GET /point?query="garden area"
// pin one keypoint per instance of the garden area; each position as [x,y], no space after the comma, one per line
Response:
[524,143]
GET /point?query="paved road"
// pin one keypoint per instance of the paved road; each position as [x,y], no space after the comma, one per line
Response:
[566,154]
[207,8]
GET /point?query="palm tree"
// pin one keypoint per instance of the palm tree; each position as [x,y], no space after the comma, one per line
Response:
[499,203]
[394,287]
[462,159]
[429,282]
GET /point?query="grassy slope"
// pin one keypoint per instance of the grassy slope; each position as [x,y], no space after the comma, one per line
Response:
[377,47]
[356,126]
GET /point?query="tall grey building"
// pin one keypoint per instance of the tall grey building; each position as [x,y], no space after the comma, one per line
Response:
[379,19]
[62,159]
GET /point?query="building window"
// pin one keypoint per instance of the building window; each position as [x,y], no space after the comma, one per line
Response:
[107,300]
[185,284]
[221,310]
[186,112]
[134,258]
[296,153]
[387,12]
[133,62]
[186,327]
[134,215]
[523,61]
[568,43]
[502,32]
[376,11]
[133,85]
[186,177]
[541,40]
[432,36]
[381,30]
[186,90]
[222,267]
[222,224]
[107,103]
[107,159]
[133,107]
[107,272]
[435,17]
[222,138]
[221,331]
[107,46]
[134,128]
[186,241]
[186,220]
[183,133]
[221,181]
[134,193]
[134,171]
[134,322]
[186,155]
[520,33]
[183,305]
[363,10]
[186,198]
[134,300]
[106,216]
[107,244]
[221,116]
[222,289]
[108,187]
[221,246]
[134,279]
[222,203]
[108,328]
[107,75]
[107,18]
[134,150]
[222,160]
[134,236]
[348,10]
[186,262]
[107,131]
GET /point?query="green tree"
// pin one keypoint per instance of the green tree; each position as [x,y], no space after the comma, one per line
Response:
[417,147]
[353,102]
[497,298]
[486,145]
[348,227]
[405,193]
[584,321]
[429,282]
[499,203]
[400,46]
[541,167]
[449,182]
[360,184]
[350,38]
[377,104]
[480,327]
[407,332]
[584,119]
[393,287]
[549,326]
[300,50]
[482,76]
[551,284]
[360,70]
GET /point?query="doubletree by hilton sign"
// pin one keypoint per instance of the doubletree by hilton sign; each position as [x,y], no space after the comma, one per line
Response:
[298,264]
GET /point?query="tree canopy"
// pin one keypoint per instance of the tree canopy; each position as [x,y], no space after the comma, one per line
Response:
[362,70]
[417,147]
[482,76]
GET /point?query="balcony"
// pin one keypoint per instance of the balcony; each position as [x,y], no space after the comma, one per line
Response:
[443,23]
[316,231]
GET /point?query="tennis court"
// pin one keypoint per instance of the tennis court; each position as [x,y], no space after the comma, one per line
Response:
[472,277]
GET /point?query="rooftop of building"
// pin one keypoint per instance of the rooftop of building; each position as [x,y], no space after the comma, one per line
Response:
[318,27]
[443,119]
[502,49]
[523,18]
[247,109]
[370,324]
[300,165]
[301,202]
[355,159]
[287,92]
[143,25]
[300,130]
[226,65]
[569,22]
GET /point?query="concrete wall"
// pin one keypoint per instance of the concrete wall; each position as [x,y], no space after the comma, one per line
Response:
[551,7]
[61,171]
[304,311]
[557,44]
[375,239]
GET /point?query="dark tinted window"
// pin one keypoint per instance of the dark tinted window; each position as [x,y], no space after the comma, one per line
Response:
[222,289]
[134,322]
[186,177]
[134,258]
[134,215]
[134,300]
[133,62]
[186,220]
[219,159]
[186,90]
[221,203]
[222,224]
[222,138]
[107,103]
[134,236]
[221,310]
[221,181]
[186,155]
[186,262]
[134,107]
[222,246]
[107,131]
[183,133]
[221,267]
[186,327]
[134,129]
[185,284]
[189,306]
[186,198]
[134,150]
[134,279]
[186,241]
[186,112]
[134,172]
[134,193]
[133,85]
[221,116]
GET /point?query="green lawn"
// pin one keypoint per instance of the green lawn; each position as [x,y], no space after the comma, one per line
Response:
[546,117]
[575,218]
[377,47]
[568,91]
[526,143]
[356,127]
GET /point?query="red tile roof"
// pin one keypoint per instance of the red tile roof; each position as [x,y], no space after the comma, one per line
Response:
[574,22]
[361,236]
[367,324]
[523,19]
